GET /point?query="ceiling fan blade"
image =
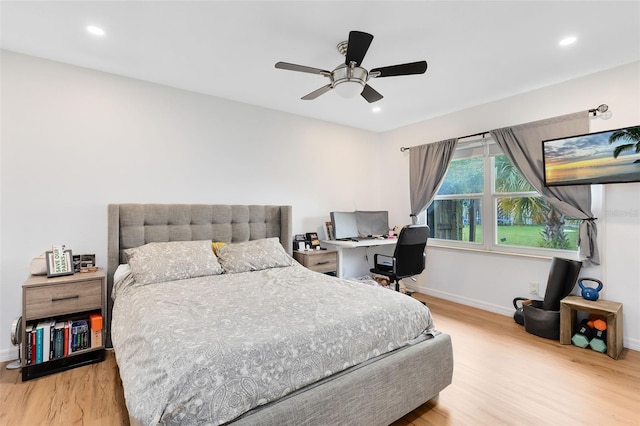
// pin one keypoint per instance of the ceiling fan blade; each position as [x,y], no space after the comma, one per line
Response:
[317,93]
[301,68]
[403,69]
[357,47]
[370,94]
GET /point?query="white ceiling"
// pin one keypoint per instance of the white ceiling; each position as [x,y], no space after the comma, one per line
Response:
[477,51]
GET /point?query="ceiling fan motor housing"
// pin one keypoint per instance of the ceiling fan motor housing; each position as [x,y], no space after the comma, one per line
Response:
[344,74]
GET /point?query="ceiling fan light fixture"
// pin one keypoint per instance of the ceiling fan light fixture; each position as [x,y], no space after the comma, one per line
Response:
[348,88]
[349,81]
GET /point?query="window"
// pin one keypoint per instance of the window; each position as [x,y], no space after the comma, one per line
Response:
[485,203]
[456,213]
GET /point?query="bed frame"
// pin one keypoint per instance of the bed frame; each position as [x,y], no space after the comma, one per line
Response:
[375,393]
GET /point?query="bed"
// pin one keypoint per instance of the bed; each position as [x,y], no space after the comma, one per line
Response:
[247,336]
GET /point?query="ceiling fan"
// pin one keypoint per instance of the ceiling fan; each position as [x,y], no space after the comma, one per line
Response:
[350,78]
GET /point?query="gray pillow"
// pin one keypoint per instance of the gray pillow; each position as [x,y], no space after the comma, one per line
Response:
[254,256]
[175,260]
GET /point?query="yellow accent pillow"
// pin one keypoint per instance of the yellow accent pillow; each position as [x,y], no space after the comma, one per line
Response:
[216,245]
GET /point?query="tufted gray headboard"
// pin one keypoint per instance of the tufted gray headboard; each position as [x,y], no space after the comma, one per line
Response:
[133,225]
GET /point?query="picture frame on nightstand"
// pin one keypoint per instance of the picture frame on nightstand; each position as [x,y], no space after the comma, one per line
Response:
[328,230]
[299,242]
[312,239]
[59,262]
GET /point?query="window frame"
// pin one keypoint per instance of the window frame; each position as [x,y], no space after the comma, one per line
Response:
[489,150]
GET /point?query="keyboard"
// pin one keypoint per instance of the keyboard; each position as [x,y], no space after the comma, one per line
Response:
[364,238]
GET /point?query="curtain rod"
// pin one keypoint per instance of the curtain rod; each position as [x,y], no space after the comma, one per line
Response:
[602,108]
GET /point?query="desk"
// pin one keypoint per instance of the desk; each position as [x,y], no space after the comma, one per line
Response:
[342,246]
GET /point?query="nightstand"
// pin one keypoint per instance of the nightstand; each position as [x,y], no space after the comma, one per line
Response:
[323,261]
[65,308]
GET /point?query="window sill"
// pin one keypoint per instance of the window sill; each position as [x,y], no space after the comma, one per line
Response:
[544,254]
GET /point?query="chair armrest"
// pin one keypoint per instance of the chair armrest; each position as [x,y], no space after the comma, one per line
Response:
[376,255]
[524,300]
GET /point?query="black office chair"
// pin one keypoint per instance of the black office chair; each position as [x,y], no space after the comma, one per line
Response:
[408,258]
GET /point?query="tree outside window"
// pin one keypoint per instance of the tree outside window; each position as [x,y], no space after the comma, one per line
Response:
[489,185]
[456,214]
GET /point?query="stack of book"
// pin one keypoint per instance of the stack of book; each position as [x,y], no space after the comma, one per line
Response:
[50,339]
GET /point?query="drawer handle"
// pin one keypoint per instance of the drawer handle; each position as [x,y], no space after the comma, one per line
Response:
[58,299]
[323,263]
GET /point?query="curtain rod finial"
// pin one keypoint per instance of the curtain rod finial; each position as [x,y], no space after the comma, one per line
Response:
[602,108]
[403,149]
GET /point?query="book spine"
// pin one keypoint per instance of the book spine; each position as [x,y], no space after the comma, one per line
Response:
[52,347]
[46,341]
[85,336]
[39,335]
[52,340]
[59,341]
[33,346]
[27,344]
[67,324]
[70,336]
[74,336]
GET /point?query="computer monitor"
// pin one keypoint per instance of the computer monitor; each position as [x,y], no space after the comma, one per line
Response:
[344,225]
[359,223]
[372,222]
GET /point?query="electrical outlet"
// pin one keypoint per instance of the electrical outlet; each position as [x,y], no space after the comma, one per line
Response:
[533,288]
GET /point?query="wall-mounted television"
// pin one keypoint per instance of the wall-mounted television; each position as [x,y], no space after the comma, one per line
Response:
[612,156]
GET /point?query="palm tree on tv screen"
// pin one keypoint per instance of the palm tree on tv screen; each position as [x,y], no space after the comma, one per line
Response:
[631,134]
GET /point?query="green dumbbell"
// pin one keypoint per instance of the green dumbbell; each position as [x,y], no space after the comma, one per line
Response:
[598,341]
[583,335]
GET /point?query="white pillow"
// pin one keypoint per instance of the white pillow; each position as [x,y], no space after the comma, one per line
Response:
[38,265]
[122,278]
[121,271]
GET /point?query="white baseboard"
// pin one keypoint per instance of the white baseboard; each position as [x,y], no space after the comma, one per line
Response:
[8,354]
[465,301]
[633,344]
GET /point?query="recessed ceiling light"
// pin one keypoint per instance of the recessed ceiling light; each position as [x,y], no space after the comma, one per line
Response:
[567,41]
[95,30]
[376,109]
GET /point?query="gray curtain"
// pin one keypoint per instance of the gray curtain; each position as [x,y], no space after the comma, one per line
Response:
[427,166]
[522,145]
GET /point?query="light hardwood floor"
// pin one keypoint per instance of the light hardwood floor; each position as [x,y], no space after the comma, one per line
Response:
[502,376]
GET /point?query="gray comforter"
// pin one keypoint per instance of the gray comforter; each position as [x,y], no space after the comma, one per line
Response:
[206,350]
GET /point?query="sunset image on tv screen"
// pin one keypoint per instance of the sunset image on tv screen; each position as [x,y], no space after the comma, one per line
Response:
[605,157]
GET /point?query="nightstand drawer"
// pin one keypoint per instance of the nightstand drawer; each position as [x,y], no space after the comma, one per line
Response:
[52,300]
[320,260]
